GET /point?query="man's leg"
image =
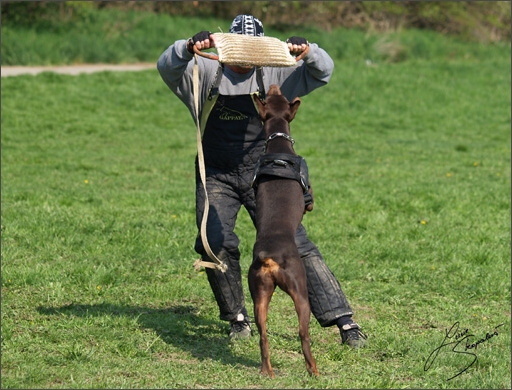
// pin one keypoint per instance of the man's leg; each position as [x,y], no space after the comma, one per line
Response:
[327,300]
[227,287]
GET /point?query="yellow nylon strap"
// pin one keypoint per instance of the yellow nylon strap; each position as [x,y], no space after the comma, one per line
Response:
[202,172]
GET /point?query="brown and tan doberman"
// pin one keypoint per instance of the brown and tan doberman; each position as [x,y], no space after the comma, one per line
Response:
[280,206]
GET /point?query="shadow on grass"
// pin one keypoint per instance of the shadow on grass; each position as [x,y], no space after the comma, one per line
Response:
[179,325]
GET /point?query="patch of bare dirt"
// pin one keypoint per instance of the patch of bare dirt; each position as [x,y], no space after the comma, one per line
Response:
[74,69]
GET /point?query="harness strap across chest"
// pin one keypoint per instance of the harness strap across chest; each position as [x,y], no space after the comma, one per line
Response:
[283,165]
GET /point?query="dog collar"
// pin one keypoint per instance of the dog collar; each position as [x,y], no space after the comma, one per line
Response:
[282,135]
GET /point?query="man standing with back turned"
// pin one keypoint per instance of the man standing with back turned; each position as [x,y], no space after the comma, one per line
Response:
[232,143]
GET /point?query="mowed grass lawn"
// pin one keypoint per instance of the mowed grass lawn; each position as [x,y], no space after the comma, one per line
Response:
[410,164]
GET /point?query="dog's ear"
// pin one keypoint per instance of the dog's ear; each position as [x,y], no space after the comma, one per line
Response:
[294,106]
[260,104]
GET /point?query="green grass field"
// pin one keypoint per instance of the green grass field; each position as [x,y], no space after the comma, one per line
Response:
[410,163]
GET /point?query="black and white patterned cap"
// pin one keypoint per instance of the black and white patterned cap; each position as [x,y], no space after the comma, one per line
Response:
[248,25]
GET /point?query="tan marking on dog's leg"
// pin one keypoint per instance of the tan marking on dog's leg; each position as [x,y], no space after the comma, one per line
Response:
[269,266]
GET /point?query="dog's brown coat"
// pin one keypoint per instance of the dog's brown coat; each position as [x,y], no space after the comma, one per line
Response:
[279,211]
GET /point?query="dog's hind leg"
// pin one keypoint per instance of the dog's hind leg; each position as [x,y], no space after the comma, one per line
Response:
[261,286]
[294,284]
[304,313]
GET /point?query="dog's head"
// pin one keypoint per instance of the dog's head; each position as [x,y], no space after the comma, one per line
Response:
[276,105]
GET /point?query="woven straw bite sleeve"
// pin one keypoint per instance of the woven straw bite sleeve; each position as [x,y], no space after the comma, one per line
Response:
[247,50]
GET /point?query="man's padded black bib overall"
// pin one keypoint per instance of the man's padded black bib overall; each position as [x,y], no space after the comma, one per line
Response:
[233,122]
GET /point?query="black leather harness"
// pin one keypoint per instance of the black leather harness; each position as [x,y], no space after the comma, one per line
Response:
[287,166]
